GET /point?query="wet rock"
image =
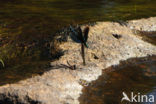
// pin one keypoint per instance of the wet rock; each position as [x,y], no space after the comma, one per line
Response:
[62,85]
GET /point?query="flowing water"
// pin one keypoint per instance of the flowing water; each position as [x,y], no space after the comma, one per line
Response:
[137,76]
[25,23]
[35,19]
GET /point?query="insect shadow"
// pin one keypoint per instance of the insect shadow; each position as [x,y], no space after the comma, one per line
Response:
[68,66]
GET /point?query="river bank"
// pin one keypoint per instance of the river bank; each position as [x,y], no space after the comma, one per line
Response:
[60,85]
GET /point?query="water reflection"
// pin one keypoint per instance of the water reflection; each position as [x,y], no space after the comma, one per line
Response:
[153,92]
[133,75]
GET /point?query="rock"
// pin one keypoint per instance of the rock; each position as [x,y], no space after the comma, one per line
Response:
[61,85]
[143,24]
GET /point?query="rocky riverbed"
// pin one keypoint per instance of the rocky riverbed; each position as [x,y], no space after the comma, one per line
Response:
[109,43]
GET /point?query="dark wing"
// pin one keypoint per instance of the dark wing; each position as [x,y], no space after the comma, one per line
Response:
[74,35]
[86,31]
[80,36]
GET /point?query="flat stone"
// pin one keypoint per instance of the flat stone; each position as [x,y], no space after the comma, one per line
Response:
[62,85]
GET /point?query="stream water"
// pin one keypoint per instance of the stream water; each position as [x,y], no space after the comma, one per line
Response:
[24,23]
[137,76]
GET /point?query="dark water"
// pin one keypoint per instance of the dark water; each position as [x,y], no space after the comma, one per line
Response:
[28,26]
[37,19]
[134,75]
[149,36]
